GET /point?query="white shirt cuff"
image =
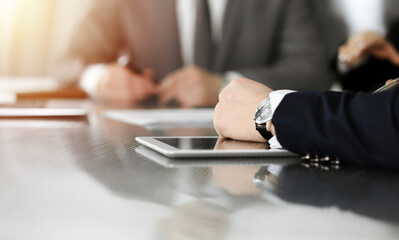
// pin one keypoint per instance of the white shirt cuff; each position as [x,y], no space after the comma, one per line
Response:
[91,78]
[275,99]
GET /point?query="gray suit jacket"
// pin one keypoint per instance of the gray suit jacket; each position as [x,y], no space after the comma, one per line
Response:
[276,42]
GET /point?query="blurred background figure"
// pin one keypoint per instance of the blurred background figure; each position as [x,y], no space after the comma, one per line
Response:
[273,44]
[368,57]
[363,15]
[186,51]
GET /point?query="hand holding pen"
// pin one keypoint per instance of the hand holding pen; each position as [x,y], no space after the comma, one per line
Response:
[121,85]
[389,85]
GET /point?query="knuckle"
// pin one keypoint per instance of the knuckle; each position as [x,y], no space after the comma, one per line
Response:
[239,81]
[222,95]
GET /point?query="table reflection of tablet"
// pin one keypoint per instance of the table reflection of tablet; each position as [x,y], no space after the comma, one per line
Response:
[199,147]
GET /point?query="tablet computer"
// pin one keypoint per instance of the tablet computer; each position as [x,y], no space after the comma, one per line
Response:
[210,146]
[169,162]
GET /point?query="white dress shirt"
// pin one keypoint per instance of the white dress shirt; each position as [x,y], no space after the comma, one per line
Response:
[363,15]
[275,99]
[186,17]
[186,11]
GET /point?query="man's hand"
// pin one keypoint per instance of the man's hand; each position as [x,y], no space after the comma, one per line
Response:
[119,85]
[190,87]
[236,109]
[362,45]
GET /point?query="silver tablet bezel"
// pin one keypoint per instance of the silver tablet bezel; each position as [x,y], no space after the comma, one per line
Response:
[167,150]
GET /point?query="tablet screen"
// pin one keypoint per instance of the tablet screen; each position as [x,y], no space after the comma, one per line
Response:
[190,143]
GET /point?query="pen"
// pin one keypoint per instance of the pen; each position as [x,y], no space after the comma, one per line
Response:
[123,60]
[390,85]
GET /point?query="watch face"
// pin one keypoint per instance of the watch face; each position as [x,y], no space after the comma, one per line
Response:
[264,112]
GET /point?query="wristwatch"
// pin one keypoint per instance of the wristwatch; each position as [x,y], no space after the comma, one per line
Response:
[263,116]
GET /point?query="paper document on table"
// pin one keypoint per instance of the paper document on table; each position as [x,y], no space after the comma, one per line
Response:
[22,85]
[45,108]
[164,117]
[42,112]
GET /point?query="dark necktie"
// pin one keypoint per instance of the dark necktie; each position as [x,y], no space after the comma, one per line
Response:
[203,36]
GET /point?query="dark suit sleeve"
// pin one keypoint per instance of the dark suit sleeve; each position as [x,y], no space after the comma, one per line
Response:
[96,39]
[299,60]
[375,72]
[356,127]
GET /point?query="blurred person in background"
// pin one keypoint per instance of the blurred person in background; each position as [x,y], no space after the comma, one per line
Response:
[186,51]
[367,59]
[369,56]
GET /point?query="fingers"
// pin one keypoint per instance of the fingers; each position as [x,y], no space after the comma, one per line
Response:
[394,58]
[182,87]
[356,47]
[110,83]
[362,45]
[353,53]
[120,85]
[230,144]
[147,85]
[388,53]
[389,81]
[141,86]
[179,95]
[169,88]
[148,74]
